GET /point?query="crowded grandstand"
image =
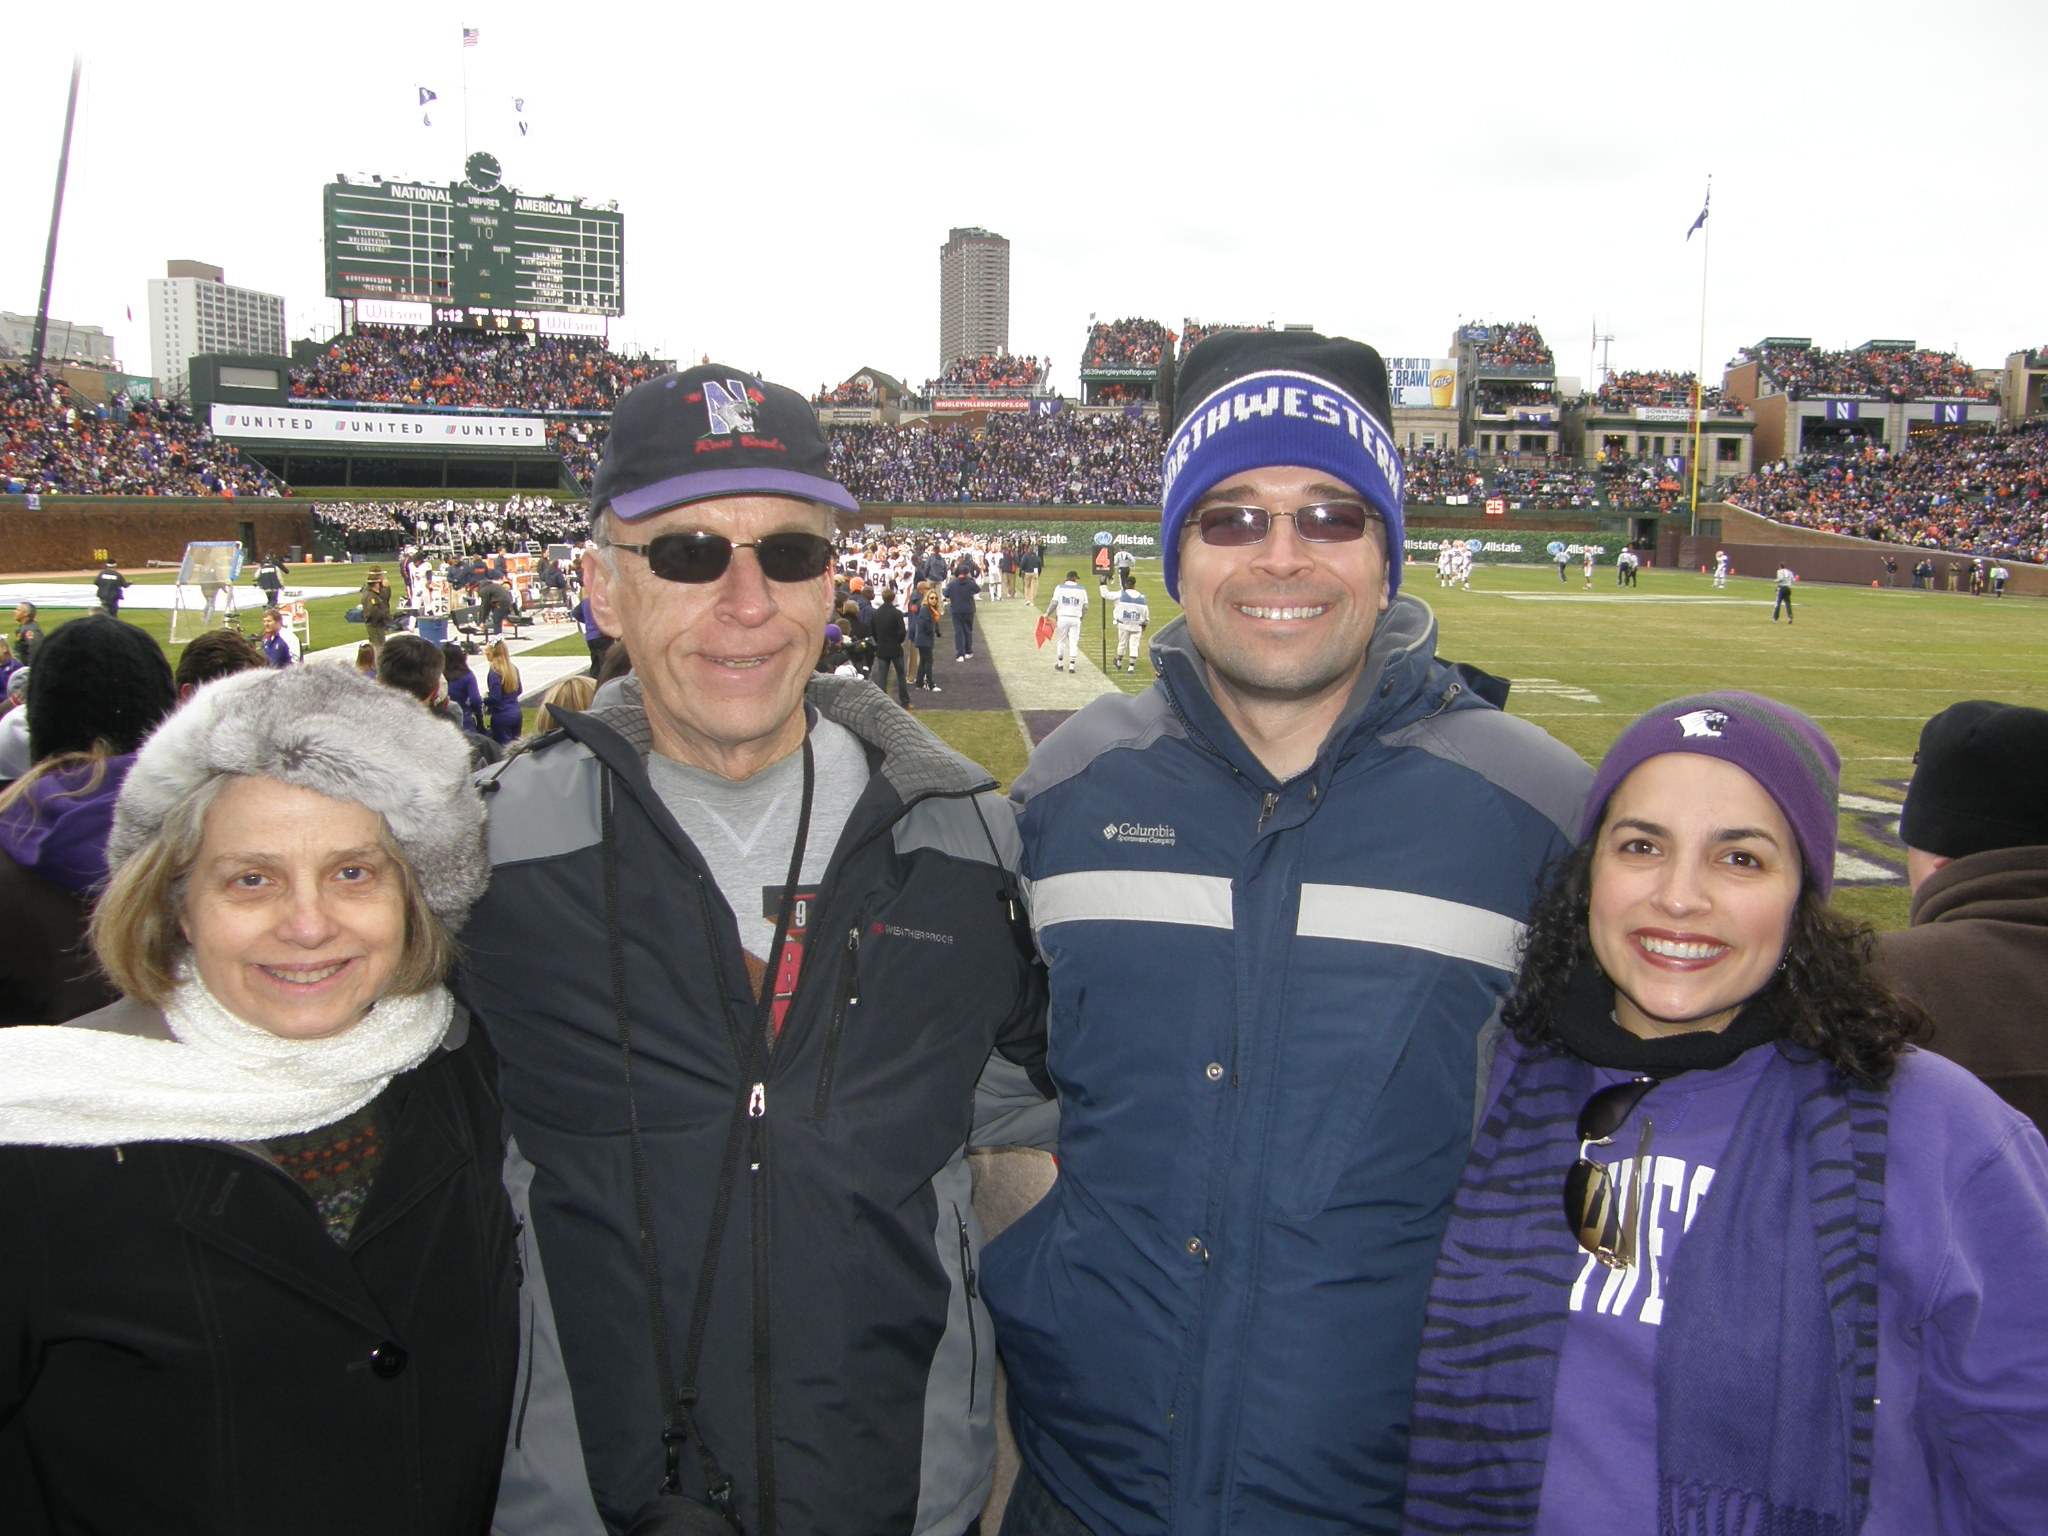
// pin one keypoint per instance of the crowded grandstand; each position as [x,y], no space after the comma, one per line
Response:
[390,365]
[1969,492]
[1980,494]
[1802,370]
[52,441]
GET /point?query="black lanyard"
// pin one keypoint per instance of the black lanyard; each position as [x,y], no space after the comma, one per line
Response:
[678,1403]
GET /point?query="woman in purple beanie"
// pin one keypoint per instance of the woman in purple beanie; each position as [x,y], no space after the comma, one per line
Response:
[1729,1255]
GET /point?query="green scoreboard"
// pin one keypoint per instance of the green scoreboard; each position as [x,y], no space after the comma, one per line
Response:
[473,243]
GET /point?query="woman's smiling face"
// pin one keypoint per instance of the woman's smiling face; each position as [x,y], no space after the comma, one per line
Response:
[1695,877]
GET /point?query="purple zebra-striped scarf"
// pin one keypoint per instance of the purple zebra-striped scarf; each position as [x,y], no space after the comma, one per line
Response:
[1766,1368]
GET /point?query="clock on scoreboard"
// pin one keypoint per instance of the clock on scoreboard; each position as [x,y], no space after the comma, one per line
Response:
[475,244]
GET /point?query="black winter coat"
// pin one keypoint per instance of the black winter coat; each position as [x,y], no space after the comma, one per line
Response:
[889,629]
[184,1350]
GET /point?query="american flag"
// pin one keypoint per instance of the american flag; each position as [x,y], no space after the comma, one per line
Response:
[469,37]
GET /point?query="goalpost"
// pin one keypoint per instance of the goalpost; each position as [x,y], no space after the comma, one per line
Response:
[206,582]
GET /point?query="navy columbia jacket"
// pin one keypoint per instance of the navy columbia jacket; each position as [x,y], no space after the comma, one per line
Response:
[1272,1006]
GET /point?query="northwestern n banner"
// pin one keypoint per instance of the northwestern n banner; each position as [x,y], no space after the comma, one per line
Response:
[310,424]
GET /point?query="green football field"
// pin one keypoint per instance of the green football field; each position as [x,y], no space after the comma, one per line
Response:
[1870,665]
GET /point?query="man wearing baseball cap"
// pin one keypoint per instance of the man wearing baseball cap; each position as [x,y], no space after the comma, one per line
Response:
[1976,954]
[751,943]
[1309,848]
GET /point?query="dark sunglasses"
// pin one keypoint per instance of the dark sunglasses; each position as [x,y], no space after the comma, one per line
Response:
[1605,1227]
[696,558]
[1321,522]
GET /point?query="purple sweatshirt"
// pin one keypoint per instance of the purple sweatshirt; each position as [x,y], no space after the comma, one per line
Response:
[61,834]
[1962,1365]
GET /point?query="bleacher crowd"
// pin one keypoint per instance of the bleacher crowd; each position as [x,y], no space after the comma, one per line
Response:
[1889,375]
[1971,494]
[1063,459]
[1517,344]
[53,441]
[856,391]
[999,371]
[1128,343]
[1193,331]
[1655,387]
[395,365]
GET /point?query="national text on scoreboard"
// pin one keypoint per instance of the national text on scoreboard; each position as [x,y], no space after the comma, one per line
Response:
[457,244]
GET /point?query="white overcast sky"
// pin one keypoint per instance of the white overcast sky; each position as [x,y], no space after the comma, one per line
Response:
[788,172]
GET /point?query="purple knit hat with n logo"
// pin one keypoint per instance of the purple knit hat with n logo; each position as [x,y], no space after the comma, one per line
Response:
[1784,751]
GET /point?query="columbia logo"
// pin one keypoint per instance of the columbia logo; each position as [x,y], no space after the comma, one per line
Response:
[1159,835]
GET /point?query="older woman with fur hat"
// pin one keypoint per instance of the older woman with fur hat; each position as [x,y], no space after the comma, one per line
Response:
[259,1269]
[1796,1280]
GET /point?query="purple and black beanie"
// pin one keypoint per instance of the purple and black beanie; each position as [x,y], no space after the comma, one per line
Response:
[1261,399]
[1784,751]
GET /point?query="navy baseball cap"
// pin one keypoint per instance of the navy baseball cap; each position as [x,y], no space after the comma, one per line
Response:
[712,431]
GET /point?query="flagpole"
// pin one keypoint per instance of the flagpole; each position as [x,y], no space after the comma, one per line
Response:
[1699,377]
[465,104]
[42,330]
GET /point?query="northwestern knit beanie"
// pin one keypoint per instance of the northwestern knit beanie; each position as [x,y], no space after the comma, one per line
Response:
[1977,781]
[1788,755]
[1262,399]
[96,680]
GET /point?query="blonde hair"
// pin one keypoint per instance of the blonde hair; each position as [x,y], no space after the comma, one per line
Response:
[137,931]
[573,693]
[500,661]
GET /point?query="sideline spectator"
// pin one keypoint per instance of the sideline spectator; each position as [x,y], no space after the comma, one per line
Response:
[887,631]
[97,689]
[720,583]
[465,698]
[412,665]
[215,653]
[571,693]
[1975,955]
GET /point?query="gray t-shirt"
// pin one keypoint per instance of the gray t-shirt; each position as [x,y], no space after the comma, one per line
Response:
[747,830]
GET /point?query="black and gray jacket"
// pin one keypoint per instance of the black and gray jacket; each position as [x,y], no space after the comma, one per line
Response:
[847,1367]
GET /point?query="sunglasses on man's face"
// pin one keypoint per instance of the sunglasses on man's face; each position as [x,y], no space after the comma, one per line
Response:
[1321,522]
[697,557]
[1604,1226]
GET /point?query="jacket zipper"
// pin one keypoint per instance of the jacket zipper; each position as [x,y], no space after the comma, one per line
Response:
[1267,807]
[849,996]
[969,1282]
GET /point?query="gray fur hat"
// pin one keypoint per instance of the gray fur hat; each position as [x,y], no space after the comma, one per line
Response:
[331,730]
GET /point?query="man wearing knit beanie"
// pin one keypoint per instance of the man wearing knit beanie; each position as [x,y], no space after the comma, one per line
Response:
[1280,895]
[1976,955]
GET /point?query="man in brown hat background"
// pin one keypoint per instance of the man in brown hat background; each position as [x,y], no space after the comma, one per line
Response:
[1976,954]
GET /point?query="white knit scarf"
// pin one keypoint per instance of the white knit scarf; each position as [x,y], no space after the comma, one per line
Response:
[217,1079]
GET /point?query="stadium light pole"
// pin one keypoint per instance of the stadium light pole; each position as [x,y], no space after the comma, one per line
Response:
[1699,378]
[42,333]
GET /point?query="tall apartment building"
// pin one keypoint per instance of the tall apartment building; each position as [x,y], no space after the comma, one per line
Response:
[193,310]
[974,295]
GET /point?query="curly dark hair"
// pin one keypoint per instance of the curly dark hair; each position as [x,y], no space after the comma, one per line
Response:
[1836,1006]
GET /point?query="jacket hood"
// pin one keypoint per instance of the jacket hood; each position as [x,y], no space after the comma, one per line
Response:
[2002,885]
[59,827]
[1400,668]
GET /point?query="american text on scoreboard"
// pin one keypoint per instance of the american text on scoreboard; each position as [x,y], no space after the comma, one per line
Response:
[461,246]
